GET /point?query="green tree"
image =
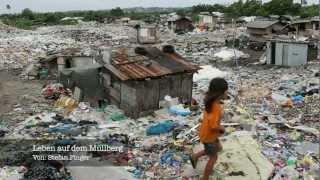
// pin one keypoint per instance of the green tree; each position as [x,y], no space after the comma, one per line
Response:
[282,7]
[23,24]
[28,14]
[117,12]
[208,8]
[235,9]
[181,12]
[309,11]
[51,18]
[251,8]
[195,17]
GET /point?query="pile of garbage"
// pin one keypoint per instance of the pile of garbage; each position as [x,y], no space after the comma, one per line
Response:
[19,48]
[226,54]
[201,47]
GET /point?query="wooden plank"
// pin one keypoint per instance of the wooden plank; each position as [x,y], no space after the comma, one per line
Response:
[149,95]
[186,87]
[106,80]
[128,95]
[115,94]
[164,88]
[175,85]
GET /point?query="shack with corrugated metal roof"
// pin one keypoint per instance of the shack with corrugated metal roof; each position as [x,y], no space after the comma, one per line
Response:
[137,79]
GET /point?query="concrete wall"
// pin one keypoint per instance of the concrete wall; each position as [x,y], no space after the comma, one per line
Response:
[205,19]
[147,35]
[82,61]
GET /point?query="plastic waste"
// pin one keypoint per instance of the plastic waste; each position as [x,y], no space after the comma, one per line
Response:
[306,162]
[53,91]
[306,129]
[308,147]
[291,161]
[150,142]
[279,99]
[137,173]
[179,110]
[160,128]
[297,99]
[65,102]
[287,172]
[43,73]
[170,158]
[65,129]
[10,173]
[117,116]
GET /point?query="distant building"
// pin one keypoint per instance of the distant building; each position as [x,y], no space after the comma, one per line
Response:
[260,28]
[136,80]
[287,52]
[180,24]
[133,23]
[147,34]
[124,20]
[301,25]
[109,20]
[208,19]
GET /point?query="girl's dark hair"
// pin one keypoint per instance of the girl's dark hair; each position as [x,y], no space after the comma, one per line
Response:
[216,89]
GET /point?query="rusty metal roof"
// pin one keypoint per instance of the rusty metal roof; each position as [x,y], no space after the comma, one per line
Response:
[154,63]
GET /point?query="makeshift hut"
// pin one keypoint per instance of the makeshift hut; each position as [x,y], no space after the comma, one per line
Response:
[136,80]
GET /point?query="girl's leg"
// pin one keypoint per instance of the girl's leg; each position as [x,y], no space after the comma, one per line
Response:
[194,158]
[197,155]
[209,167]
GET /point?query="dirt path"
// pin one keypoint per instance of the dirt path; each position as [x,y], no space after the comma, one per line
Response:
[12,90]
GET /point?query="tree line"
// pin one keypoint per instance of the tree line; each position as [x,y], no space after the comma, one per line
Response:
[257,8]
[27,19]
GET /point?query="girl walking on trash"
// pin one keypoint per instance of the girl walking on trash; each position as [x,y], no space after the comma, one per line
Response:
[210,128]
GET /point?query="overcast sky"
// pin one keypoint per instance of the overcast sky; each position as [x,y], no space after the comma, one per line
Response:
[65,5]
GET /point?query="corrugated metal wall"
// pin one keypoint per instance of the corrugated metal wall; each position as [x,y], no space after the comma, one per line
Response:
[288,54]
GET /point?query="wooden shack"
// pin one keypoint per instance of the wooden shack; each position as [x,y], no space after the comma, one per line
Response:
[260,28]
[301,26]
[136,80]
[180,24]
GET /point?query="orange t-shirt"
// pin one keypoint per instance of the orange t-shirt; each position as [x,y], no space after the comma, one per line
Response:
[210,123]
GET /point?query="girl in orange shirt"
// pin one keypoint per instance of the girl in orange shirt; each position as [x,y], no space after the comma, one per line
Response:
[210,128]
